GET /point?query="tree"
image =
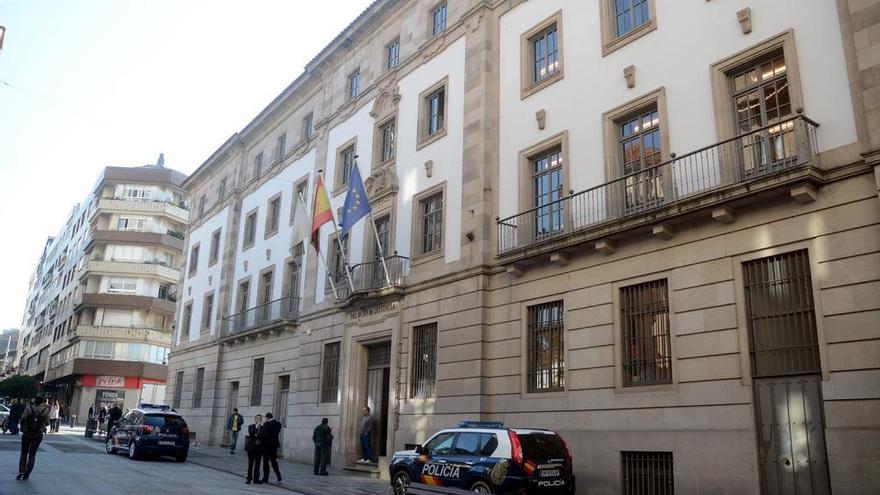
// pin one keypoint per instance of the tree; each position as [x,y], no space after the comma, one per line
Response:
[18,386]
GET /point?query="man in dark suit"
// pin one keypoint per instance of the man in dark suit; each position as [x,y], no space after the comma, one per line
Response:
[269,439]
[254,450]
[322,437]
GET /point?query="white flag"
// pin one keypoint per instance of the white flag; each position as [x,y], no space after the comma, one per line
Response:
[301,227]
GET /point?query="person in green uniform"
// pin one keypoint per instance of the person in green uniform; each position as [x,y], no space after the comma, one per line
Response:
[322,437]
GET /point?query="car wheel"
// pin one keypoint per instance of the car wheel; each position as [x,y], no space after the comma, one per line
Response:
[180,458]
[481,487]
[108,444]
[132,450]
[401,482]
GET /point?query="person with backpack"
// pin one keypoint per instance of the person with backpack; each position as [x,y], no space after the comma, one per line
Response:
[33,425]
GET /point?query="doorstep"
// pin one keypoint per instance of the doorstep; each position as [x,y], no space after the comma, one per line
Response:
[367,470]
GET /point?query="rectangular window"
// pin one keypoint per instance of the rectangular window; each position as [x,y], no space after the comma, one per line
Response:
[244,295]
[546,347]
[386,150]
[250,229]
[435,111]
[547,190]
[640,149]
[137,193]
[207,313]
[194,259]
[280,146]
[438,19]
[431,222]
[545,53]
[630,15]
[647,473]
[214,255]
[354,84]
[258,165]
[781,315]
[424,361]
[307,126]
[293,276]
[273,214]
[337,261]
[131,224]
[178,390]
[197,388]
[257,381]
[265,290]
[202,206]
[346,162]
[647,352]
[187,318]
[392,54]
[221,189]
[330,374]
[300,198]
[122,285]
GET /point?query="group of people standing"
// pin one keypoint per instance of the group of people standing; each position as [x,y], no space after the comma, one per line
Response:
[98,416]
[57,415]
[261,444]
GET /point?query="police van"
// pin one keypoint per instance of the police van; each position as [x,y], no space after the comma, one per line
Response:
[486,457]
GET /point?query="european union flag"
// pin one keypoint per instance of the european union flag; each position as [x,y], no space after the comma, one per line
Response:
[357,205]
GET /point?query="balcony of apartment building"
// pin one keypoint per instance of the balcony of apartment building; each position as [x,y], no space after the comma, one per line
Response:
[149,268]
[373,280]
[101,237]
[161,303]
[274,316]
[713,181]
[112,351]
[173,210]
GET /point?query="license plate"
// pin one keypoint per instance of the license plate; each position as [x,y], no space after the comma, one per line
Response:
[548,473]
[165,442]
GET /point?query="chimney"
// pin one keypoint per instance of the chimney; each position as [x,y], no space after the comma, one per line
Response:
[161,162]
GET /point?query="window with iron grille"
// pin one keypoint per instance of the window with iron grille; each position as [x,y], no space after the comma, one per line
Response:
[781,315]
[330,375]
[424,361]
[257,381]
[546,347]
[647,473]
[630,14]
[178,389]
[644,315]
[432,223]
[197,388]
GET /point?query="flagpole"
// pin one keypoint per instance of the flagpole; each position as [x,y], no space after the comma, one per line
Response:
[341,250]
[320,254]
[381,251]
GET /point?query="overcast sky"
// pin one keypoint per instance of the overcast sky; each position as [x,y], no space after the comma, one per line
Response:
[90,83]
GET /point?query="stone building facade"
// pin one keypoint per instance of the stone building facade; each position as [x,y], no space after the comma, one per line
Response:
[646,225]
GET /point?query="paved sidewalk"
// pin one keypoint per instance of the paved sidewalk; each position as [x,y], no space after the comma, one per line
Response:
[296,476]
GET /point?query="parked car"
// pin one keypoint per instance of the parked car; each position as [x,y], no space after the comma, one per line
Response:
[486,457]
[4,418]
[150,430]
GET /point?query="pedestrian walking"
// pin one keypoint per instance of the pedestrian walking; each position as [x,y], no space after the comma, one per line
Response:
[15,413]
[33,425]
[234,424]
[366,436]
[323,438]
[270,441]
[102,415]
[254,450]
[113,417]
[54,412]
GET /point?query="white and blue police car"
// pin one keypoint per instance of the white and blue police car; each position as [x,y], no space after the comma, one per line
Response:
[487,457]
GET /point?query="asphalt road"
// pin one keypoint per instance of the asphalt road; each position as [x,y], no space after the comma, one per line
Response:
[68,464]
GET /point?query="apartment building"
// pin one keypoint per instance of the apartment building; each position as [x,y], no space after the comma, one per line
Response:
[8,350]
[98,322]
[652,226]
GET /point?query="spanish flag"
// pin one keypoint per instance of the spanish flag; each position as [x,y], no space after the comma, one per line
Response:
[322,213]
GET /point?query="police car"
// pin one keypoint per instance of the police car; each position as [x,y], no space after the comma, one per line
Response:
[150,430]
[486,457]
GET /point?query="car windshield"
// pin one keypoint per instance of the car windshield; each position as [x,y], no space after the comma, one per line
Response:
[538,446]
[165,421]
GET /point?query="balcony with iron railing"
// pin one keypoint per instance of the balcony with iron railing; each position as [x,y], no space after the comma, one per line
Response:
[277,314]
[369,279]
[777,155]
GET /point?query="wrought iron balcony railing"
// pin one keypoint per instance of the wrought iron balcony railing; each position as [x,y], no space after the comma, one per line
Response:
[746,158]
[370,276]
[284,310]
